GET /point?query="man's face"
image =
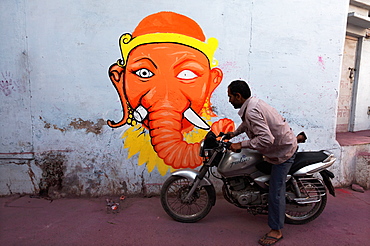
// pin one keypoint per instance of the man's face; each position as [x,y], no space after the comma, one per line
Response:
[235,100]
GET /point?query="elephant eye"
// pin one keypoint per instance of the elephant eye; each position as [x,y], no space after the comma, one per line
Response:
[144,73]
[186,74]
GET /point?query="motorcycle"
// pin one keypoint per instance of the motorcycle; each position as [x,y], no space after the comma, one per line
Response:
[189,195]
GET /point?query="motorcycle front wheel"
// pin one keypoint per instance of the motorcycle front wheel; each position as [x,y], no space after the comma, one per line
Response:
[299,214]
[173,194]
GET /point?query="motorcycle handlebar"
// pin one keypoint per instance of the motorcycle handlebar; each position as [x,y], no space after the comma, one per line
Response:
[228,144]
[225,135]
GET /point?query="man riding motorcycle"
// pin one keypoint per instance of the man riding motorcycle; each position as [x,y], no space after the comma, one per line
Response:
[270,134]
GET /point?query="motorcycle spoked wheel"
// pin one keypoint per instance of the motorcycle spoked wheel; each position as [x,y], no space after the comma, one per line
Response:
[173,193]
[299,214]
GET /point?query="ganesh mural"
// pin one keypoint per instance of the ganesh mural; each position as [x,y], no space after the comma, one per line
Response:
[165,81]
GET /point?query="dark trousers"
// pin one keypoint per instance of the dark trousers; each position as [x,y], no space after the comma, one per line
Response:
[276,200]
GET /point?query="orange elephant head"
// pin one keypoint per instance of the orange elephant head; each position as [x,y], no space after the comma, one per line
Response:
[166,75]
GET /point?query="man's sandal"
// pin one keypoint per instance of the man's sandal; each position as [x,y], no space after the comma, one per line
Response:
[272,240]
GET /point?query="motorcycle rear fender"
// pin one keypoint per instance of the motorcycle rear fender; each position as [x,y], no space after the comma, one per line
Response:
[326,176]
[317,167]
[191,175]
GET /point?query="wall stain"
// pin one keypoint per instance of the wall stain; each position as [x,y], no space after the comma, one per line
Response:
[77,124]
[32,176]
[124,186]
[88,125]
[53,167]
[73,183]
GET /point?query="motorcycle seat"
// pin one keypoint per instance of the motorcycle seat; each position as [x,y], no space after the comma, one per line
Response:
[301,160]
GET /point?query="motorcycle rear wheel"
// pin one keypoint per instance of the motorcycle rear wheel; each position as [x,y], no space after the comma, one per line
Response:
[299,214]
[173,193]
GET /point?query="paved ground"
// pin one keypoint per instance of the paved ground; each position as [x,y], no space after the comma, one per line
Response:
[142,221]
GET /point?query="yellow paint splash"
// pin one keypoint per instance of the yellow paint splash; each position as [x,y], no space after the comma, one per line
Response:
[137,141]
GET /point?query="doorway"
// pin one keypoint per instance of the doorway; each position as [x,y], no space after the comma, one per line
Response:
[347,86]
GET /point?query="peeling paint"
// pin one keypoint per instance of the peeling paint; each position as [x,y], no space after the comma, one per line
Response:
[91,179]
[53,167]
[77,124]
[88,125]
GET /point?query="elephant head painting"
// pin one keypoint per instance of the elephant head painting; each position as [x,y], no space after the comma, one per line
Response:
[165,81]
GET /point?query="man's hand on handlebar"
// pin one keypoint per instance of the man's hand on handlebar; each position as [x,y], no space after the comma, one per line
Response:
[236,147]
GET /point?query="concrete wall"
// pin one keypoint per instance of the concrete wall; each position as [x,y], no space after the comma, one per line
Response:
[56,94]
[356,165]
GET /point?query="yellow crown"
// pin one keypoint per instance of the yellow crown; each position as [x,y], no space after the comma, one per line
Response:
[127,43]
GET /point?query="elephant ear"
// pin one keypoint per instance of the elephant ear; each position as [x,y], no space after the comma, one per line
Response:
[117,76]
[223,125]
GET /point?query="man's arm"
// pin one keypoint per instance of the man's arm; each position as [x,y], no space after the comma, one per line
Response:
[263,137]
[235,147]
[239,130]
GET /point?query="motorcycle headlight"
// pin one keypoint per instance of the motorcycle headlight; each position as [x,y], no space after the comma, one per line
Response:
[208,144]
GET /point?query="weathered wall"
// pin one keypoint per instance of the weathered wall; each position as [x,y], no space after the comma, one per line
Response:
[56,94]
[356,165]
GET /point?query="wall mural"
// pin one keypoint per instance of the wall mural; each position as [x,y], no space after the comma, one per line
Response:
[165,80]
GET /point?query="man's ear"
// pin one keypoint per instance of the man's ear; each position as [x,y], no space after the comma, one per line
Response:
[238,96]
[216,78]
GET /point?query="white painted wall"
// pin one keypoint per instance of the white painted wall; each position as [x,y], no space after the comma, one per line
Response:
[58,52]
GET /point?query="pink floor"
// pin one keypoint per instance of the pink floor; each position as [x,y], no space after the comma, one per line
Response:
[142,221]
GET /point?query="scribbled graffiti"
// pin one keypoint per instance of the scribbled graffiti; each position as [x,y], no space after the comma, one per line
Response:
[165,81]
[321,62]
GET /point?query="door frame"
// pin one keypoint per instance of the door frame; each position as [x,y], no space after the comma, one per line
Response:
[352,117]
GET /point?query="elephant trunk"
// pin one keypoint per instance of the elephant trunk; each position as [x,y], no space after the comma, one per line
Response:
[168,141]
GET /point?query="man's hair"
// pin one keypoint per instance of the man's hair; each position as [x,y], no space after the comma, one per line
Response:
[240,86]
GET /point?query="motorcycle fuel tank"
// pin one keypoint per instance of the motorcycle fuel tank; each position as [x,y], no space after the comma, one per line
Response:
[238,164]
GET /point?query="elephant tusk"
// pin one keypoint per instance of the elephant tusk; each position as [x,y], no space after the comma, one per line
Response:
[195,119]
[140,113]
